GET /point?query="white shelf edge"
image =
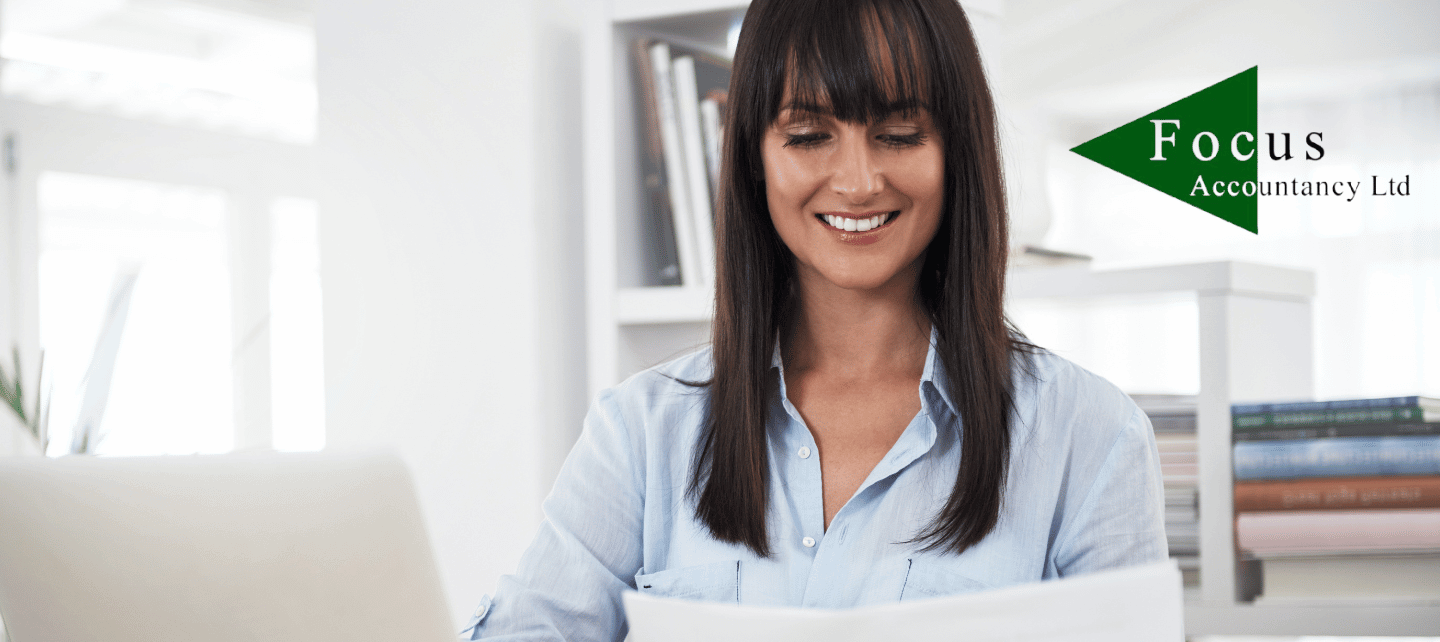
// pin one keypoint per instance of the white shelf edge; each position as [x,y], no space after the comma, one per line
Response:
[1319,619]
[672,304]
[1220,277]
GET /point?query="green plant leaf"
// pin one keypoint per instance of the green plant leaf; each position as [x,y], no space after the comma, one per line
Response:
[7,392]
[35,426]
[19,388]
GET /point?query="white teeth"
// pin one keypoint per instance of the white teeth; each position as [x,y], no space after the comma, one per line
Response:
[855,224]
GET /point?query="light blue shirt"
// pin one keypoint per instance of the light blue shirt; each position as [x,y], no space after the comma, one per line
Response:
[1083,493]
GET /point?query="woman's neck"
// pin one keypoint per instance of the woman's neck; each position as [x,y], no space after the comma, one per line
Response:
[858,334]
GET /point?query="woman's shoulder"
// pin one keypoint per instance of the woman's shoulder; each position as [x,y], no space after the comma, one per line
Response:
[1047,371]
[670,395]
[1053,392]
[683,376]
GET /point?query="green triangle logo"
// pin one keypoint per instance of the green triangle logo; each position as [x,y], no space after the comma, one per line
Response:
[1201,149]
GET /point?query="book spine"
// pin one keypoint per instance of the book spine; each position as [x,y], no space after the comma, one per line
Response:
[662,259]
[1242,422]
[685,240]
[1172,423]
[1307,406]
[687,109]
[1338,494]
[710,129]
[1337,531]
[1326,431]
[1338,457]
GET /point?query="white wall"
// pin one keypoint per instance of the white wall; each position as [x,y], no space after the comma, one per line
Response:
[448,179]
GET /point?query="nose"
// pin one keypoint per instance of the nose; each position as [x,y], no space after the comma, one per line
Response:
[855,175]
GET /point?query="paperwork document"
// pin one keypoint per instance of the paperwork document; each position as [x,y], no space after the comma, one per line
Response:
[1140,604]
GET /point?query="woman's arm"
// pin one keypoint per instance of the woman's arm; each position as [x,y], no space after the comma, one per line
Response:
[1120,520]
[588,548]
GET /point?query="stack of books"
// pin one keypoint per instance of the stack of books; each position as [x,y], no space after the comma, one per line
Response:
[1173,417]
[679,114]
[1340,499]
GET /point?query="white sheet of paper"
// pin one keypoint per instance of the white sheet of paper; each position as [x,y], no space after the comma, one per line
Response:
[1139,604]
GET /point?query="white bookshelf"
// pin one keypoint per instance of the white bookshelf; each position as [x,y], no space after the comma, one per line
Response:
[629,326]
[1256,344]
[1254,320]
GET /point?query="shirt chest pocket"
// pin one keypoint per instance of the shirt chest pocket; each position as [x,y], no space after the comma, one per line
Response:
[928,579]
[717,582]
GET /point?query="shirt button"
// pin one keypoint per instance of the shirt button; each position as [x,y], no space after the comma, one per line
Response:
[804,452]
[809,542]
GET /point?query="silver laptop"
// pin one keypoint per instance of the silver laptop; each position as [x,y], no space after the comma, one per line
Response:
[259,547]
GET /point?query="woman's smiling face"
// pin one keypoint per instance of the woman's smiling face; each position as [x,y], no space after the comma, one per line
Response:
[856,203]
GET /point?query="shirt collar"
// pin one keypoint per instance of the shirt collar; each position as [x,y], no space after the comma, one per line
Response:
[919,436]
[933,380]
[934,385]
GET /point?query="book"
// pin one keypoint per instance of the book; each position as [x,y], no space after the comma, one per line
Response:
[1173,419]
[661,256]
[1428,403]
[1177,443]
[712,110]
[1173,423]
[1337,457]
[1344,493]
[676,175]
[701,83]
[1323,431]
[1165,404]
[1351,577]
[1181,496]
[1182,538]
[1388,409]
[1168,413]
[1279,533]
[1179,474]
[1181,515]
[687,109]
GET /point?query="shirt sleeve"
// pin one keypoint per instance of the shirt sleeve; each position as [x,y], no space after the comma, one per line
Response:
[588,549]
[1120,520]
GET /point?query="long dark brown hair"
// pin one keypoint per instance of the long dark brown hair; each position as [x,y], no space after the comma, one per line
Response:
[866,59]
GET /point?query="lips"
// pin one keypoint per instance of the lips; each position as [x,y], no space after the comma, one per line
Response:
[850,223]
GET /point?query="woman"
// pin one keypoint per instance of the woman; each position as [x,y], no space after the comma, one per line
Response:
[865,427]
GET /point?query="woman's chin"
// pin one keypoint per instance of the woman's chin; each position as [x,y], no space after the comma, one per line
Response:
[859,280]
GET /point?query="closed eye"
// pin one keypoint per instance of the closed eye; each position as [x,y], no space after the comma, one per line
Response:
[805,140]
[902,140]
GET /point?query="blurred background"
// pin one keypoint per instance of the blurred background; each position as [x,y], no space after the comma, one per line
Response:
[307,224]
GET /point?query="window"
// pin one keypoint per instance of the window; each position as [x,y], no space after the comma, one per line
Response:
[155,370]
[137,317]
[297,381]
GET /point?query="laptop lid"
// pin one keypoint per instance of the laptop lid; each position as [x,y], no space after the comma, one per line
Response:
[248,547]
